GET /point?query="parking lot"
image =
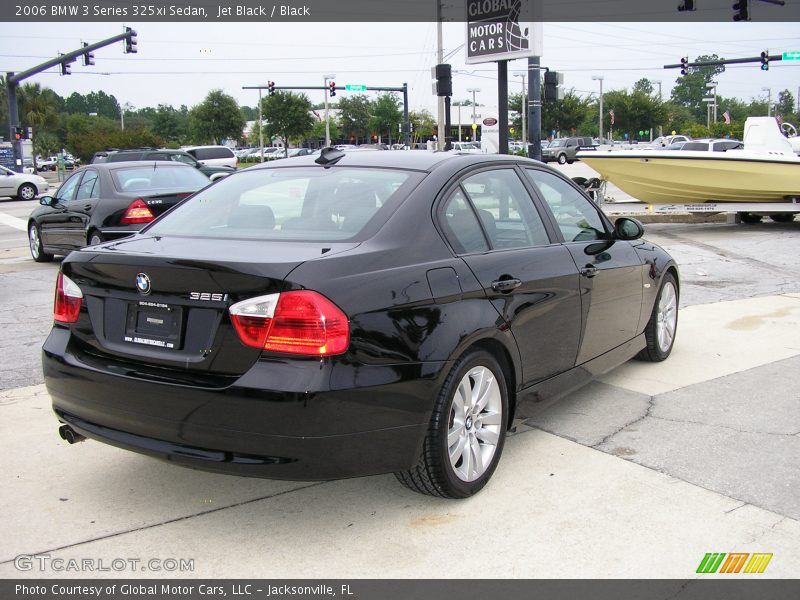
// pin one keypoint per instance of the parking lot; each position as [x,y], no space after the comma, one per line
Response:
[638,474]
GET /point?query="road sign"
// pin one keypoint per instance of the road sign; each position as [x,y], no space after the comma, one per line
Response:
[791,55]
[355,88]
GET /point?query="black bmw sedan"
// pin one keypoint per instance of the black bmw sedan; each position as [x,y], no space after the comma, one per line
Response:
[107,201]
[354,314]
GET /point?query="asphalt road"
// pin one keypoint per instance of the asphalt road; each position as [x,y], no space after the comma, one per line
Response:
[636,475]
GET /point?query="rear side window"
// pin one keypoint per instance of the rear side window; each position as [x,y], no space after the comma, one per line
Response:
[462,227]
[291,204]
[210,153]
[164,177]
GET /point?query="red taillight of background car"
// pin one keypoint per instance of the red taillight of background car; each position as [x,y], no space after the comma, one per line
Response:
[299,322]
[68,300]
[137,212]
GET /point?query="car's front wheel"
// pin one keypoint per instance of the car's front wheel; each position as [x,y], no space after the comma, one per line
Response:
[562,159]
[467,431]
[35,241]
[27,191]
[663,324]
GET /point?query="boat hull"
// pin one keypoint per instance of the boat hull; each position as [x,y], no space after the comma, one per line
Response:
[694,178]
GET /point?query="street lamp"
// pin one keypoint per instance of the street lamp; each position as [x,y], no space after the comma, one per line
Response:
[473,91]
[713,106]
[326,78]
[769,100]
[660,128]
[600,79]
[524,104]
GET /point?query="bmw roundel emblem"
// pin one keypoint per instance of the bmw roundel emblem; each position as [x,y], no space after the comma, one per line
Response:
[143,283]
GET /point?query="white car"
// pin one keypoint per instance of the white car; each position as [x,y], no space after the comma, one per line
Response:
[21,185]
[214,156]
[466,147]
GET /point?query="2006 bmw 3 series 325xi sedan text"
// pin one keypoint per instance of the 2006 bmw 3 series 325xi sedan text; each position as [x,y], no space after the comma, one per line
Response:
[358,313]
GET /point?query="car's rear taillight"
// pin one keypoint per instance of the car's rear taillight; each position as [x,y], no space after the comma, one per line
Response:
[138,212]
[68,300]
[300,322]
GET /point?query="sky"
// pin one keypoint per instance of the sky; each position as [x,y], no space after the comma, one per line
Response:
[180,63]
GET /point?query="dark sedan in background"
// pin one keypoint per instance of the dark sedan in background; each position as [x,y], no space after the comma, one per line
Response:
[107,201]
[354,314]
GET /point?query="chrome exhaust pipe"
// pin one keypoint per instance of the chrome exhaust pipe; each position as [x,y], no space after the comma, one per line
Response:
[70,435]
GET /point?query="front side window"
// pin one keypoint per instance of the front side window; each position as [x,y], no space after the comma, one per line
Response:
[67,189]
[291,204]
[89,187]
[575,215]
[505,209]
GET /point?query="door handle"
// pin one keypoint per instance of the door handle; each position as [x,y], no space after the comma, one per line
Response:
[87,207]
[589,271]
[506,285]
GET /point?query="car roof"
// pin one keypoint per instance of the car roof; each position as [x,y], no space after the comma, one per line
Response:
[112,166]
[405,159]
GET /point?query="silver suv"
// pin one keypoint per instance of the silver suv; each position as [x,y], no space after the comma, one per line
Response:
[564,149]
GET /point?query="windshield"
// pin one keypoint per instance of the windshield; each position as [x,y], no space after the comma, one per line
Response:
[307,203]
[557,143]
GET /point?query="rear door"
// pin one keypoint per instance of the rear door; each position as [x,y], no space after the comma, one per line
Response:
[80,209]
[612,274]
[492,223]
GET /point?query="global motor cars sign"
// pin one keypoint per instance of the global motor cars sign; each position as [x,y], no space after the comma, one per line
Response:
[501,30]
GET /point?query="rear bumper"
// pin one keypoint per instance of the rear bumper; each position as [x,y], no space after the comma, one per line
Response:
[326,419]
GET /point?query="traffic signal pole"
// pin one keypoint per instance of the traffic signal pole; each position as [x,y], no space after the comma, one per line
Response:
[534,109]
[13,80]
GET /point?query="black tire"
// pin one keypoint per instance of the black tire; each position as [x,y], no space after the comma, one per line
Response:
[656,350]
[27,191]
[35,242]
[562,159]
[435,473]
[580,181]
[94,238]
[782,217]
[749,218]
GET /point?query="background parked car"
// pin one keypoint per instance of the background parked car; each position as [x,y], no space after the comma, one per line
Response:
[107,201]
[214,156]
[24,186]
[712,145]
[564,150]
[213,172]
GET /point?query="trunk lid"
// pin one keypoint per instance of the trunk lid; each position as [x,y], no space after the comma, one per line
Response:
[162,302]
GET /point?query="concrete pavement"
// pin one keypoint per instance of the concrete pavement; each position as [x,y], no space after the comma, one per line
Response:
[640,477]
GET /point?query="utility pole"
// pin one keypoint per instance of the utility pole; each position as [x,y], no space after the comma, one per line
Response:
[474,114]
[327,78]
[660,99]
[523,134]
[439,60]
[600,79]
[534,133]
[260,127]
[769,100]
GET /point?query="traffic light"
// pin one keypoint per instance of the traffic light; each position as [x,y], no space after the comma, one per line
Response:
[66,69]
[271,87]
[130,41]
[19,133]
[685,65]
[552,83]
[444,80]
[332,88]
[742,8]
[88,57]
[687,5]
[765,61]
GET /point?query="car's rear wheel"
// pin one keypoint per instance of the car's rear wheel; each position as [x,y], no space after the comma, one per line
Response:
[467,431]
[27,191]
[663,324]
[35,240]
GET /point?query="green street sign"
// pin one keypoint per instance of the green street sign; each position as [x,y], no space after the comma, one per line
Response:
[791,55]
[355,88]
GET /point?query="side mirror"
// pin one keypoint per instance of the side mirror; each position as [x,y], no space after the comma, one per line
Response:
[629,229]
[47,201]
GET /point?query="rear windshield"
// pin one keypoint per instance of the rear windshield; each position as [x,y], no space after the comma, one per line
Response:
[209,153]
[158,176]
[305,203]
